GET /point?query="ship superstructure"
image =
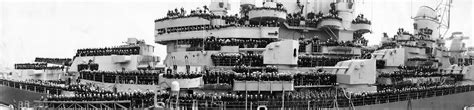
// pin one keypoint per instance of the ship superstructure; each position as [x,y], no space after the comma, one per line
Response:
[41,69]
[205,38]
[288,54]
[135,55]
[48,77]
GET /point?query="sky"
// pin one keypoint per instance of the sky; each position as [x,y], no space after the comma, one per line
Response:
[56,28]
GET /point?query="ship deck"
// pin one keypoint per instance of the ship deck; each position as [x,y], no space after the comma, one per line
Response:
[446,99]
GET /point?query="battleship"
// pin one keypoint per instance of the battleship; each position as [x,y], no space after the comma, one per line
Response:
[282,55]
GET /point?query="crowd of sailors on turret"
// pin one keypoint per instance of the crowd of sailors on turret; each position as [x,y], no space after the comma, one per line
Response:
[249,69]
[420,72]
[359,37]
[219,77]
[314,78]
[316,44]
[125,50]
[139,99]
[50,86]
[313,60]
[237,59]
[322,97]
[388,45]
[175,12]
[402,31]
[230,21]
[36,66]
[360,19]
[53,60]
[417,76]
[209,77]
[270,8]
[235,98]
[123,77]
[418,68]
[406,39]
[367,53]
[213,43]
[406,87]
[424,33]
[300,79]
[182,75]
[182,12]
[333,42]
[30,66]
[386,93]
[228,77]
[198,12]
[261,76]
[91,93]
[312,19]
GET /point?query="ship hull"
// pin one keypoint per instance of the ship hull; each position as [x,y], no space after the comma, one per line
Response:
[457,101]
[9,95]
[446,102]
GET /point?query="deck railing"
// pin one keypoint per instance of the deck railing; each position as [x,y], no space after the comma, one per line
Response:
[355,100]
[34,87]
[109,105]
[342,102]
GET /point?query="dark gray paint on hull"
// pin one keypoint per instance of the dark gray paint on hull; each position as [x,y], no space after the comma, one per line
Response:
[11,95]
[446,102]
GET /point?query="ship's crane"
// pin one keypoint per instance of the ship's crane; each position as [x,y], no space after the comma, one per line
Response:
[443,9]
